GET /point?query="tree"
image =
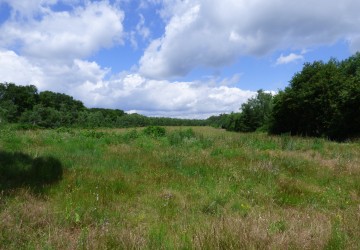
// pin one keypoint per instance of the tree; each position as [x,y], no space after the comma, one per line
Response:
[22,98]
[8,111]
[41,116]
[256,112]
[255,115]
[322,100]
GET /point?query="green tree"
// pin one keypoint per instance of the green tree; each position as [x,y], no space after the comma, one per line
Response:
[8,111]
[322,100]
[41,116]
[21,97]
[256,112]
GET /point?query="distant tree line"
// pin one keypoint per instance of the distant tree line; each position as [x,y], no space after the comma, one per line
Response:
[323,100]
[24,105]
[254,115]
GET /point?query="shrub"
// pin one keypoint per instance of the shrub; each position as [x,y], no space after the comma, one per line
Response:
[154,131]
[131,135]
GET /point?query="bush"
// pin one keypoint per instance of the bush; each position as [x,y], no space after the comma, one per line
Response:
[154,131]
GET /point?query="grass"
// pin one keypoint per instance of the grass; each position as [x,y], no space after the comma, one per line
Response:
[187,188]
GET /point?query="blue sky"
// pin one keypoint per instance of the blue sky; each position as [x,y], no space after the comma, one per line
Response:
[176,58]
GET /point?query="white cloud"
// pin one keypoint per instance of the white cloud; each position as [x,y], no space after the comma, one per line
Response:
[56,77]
[27,9]
[213,80]
[51,49]
[50,52]
[214,33]
[165,98]
[289,58]
[16,69]
[64,35]
[87,82]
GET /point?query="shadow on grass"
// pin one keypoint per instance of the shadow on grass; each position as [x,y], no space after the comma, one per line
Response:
[21,170]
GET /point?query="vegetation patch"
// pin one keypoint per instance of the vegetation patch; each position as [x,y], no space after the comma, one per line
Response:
[190,187]
[155,131]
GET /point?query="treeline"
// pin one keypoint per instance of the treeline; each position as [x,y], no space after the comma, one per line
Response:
[24,105]
[323,100]
[254,115]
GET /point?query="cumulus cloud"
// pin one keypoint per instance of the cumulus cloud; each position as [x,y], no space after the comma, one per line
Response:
[63,35]
[133,92]
[50,49]
[28,9]
[54,76]
[16,69]
[289,58]
[214,33]
[87,81]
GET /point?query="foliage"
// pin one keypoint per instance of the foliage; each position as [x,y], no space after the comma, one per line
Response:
[154,131]
[23,104]
[256,112]
[14,100]
[322,100]
[219,121]
[41,116]
[255,115]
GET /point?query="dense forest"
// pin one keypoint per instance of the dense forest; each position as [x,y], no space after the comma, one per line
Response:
[24,105]
[323,100]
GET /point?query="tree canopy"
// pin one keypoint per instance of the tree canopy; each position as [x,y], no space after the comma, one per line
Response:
[322,100]
[255,115]
[25,105]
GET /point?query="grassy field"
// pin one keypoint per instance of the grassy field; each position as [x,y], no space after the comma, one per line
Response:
[192,188]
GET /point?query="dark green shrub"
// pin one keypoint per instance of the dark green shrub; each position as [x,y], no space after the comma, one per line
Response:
[154,131]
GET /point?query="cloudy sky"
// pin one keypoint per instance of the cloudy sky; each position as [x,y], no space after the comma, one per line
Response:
[176,58]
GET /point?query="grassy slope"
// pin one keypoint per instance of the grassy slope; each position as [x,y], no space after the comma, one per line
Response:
[211,189]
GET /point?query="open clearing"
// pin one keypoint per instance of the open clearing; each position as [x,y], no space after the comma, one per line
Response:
[194,188]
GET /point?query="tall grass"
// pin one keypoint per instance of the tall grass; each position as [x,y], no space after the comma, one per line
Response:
[178,188]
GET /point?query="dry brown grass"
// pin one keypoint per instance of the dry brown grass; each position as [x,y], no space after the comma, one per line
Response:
[299,230]
[335,163]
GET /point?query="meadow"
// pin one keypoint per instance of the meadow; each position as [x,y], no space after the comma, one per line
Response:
[176,188]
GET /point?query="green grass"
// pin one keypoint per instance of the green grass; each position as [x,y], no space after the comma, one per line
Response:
[178,188]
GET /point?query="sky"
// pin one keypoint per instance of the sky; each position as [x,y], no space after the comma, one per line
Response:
[173,58]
